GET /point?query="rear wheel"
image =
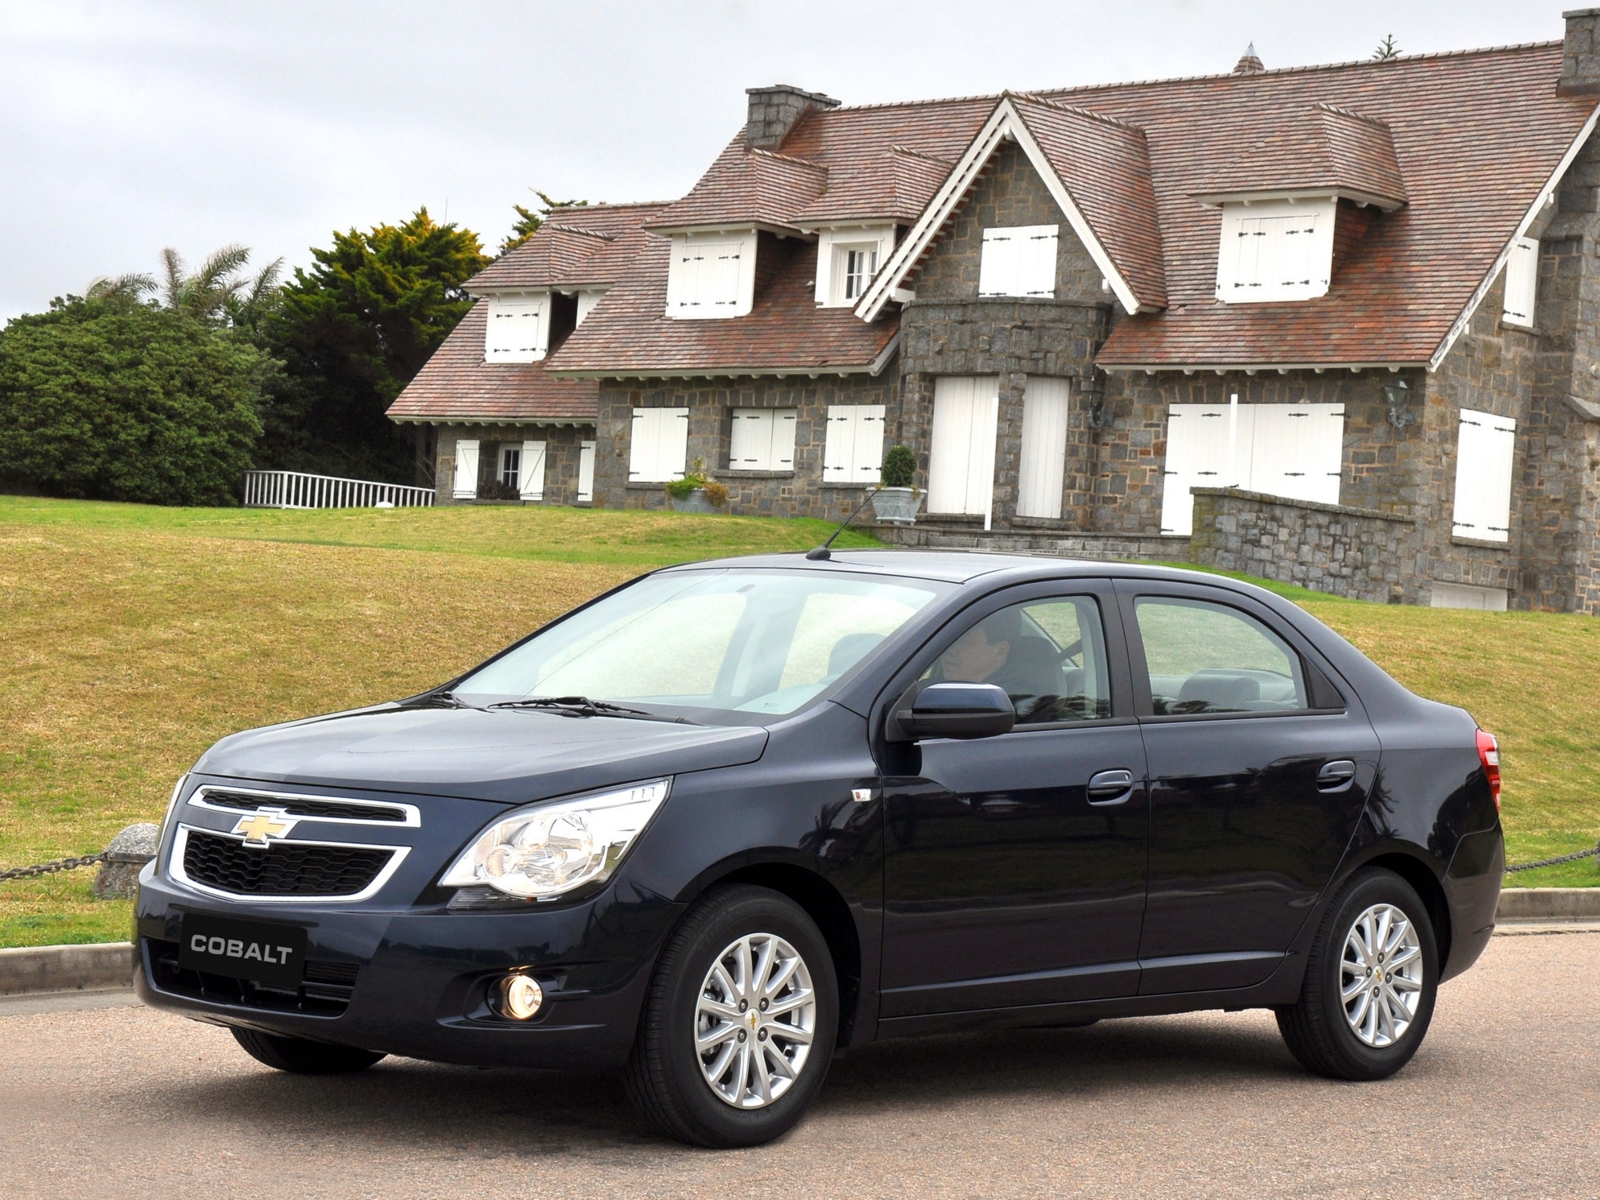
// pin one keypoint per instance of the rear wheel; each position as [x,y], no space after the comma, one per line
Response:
[1370,983]
[739,1023]
[301,1057]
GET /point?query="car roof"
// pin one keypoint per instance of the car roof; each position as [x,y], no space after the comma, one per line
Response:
[964,566]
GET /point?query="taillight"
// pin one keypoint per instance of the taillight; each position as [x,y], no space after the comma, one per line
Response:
[1489,756]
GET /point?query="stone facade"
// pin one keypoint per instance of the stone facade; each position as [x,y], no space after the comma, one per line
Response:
[562,446]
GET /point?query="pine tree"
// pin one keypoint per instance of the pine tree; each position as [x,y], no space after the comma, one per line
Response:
[529,222]
[1386,49]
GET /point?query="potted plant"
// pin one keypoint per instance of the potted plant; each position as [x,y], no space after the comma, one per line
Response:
[696,492]
[896,500]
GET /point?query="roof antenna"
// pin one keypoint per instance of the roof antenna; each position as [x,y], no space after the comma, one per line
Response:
[822,553]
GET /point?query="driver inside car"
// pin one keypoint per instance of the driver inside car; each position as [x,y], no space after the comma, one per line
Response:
[996,651]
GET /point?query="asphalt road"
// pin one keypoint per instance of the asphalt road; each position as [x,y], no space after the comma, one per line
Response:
[1503,1099]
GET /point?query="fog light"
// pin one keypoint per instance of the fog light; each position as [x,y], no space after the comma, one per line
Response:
[521,997]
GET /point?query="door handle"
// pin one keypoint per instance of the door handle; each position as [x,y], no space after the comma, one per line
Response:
[1336,776]
[1110,787]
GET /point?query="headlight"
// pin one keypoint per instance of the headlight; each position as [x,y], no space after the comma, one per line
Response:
[172,804]
[547,849]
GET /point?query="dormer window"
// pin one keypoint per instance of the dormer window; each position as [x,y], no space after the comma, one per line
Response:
[711,275]
[1275,250]
[1019,260]
[847,259]
[518,329]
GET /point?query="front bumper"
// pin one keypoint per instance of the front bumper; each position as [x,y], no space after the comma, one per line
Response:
[415,982]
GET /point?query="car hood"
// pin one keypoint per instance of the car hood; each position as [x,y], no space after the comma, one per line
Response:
[506,756]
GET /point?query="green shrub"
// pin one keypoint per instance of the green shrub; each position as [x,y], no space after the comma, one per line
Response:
[696,477]
[116,400]
[899,467]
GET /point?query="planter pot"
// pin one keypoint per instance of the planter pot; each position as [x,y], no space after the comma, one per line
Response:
[897,505]
[695,502]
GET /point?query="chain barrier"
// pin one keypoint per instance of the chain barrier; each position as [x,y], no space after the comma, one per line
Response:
[1560,858]
[50,868]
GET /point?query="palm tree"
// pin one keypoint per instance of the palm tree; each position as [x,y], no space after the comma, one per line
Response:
[217,293]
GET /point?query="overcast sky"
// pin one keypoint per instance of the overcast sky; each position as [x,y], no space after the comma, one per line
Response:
[138,124]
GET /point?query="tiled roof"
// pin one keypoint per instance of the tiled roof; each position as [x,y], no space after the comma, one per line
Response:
[456,383]
[592,244]
[747,186]
[785,331]
[1475,135]
[1320,146]
[1105,165]
[894,185]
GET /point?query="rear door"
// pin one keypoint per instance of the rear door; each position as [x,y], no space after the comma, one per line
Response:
[1259,769]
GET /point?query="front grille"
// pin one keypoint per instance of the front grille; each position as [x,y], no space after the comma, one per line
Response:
[324,992]
[284,869]
[300,806]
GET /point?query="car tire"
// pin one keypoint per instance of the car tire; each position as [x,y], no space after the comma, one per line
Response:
[301,1057]
[700,1066]
[1370,983]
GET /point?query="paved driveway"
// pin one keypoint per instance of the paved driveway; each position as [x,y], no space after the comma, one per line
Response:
[1504,1099]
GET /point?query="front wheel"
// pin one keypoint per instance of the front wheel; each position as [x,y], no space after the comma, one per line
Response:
[739,1023]
[1370,984]
[299,1056]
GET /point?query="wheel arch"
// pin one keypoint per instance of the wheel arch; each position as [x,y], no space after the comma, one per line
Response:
[1425,883]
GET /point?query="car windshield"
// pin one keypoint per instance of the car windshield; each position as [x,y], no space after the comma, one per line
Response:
[708,645]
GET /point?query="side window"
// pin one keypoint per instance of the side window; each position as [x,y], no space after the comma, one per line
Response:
[1049,655]
[1209,658]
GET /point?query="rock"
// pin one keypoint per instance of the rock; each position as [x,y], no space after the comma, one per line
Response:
[125,857]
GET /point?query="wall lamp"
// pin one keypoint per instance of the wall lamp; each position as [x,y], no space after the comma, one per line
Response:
[1398,393]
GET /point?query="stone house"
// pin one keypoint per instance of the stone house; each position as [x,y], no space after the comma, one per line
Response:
[1333,325]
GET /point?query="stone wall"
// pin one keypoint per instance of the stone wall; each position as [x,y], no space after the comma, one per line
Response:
[1361,553]
[560,462]
[797,493]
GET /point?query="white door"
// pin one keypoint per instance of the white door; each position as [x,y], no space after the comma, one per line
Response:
[585,472]
[1297,450]
[1199,440]
[1044,448]
[966,411]
[532,477]
[466,484]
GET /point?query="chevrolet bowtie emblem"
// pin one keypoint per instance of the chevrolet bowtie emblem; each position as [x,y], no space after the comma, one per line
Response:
[259,828]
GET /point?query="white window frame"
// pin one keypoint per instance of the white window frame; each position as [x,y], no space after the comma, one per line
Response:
[1275,250]
[762,439]
[1041,471]
[1522,282]
[833,249]
[518,327]
[966,417]
[711,276]
[531,486]
[509,473]
[1486,447]
[1019,260]
[853,452]
[658,445]
[466,468]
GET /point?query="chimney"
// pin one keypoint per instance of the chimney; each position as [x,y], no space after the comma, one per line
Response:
[1580,55]
[1250,63]
[774,111]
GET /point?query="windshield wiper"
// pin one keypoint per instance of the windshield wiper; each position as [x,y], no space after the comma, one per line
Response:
[582,706]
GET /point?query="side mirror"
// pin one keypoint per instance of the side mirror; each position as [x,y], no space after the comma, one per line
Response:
[951,710]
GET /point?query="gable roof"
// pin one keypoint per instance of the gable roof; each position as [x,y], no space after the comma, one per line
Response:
[457,385]
[589,244]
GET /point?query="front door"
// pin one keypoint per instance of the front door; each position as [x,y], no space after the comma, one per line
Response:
[1015,865]
[1259,770]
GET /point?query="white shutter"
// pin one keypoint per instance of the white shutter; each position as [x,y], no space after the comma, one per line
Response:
[672,445]
[466,483]
[997,267]
[1297,450]
[587,299]
[1036,275]
[1522,281]
[585,471]
[1485,449]
[784,421]
[533,465]
[838,454]
[750,447]
[642,445]
[961,455]
[516,329]
[1018,261]
[1198,455]
[1044,448]
[866,457]
[1275,251]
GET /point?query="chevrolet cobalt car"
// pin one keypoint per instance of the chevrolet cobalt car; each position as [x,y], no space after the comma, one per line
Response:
[731,818]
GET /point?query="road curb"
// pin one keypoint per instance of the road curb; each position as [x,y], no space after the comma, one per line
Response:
[27,970]
[32,970]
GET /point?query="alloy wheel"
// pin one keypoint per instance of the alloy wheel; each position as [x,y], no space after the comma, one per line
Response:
[1381,975]
[755,1020]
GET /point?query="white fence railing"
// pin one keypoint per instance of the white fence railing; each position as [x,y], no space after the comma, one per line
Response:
[292,489]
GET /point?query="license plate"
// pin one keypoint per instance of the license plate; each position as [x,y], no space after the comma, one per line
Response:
[274,954]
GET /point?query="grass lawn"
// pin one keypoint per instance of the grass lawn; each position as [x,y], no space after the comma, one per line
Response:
[134,637]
